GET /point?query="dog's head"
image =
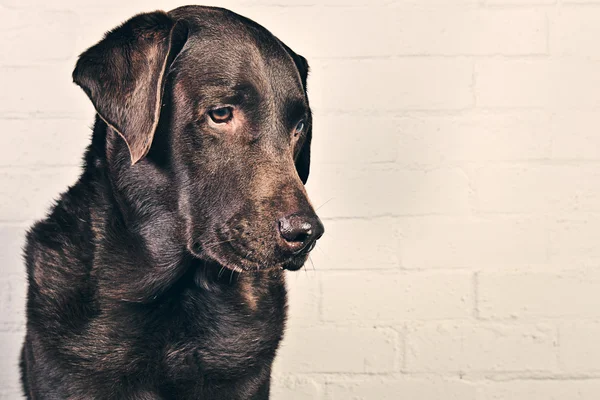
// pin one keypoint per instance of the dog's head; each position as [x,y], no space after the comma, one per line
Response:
[218,106]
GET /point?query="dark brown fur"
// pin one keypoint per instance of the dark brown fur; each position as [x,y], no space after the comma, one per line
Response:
[159,274]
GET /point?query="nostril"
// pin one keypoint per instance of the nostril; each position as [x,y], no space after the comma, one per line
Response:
[299,232]
[294,230]
[301,237]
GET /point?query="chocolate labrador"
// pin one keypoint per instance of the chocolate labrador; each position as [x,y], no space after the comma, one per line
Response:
[159,274]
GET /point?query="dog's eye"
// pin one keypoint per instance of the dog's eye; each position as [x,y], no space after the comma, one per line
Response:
[221,115]
[300,127]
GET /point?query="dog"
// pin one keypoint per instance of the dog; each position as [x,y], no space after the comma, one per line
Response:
[160,273]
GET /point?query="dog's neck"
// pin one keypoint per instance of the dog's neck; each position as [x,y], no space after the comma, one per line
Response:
[136,240]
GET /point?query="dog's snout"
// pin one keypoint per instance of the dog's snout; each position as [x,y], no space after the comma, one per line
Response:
[300,231]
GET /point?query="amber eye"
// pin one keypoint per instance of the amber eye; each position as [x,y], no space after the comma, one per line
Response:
[221,115]
[299,127]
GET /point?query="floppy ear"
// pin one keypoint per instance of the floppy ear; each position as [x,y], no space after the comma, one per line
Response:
[303,155]
[124,76]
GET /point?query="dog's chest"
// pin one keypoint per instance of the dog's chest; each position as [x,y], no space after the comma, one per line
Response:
[227,330]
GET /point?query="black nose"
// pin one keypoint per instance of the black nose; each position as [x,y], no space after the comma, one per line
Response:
[300,231]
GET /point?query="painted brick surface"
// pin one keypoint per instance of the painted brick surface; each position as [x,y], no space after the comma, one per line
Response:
[456,165]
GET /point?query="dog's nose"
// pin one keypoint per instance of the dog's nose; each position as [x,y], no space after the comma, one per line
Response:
[300,231]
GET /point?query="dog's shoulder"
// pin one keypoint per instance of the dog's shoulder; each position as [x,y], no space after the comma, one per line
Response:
[59,253]
[64,236]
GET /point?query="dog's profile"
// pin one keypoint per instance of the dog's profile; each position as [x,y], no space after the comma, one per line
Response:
[159,274]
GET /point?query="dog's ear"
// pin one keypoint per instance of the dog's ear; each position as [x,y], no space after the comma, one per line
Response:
[124,76]
[303,155]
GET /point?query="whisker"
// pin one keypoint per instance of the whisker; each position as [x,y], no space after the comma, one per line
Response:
[321,250]
[239,273]
[210,245]
[324,203]
[313,264]
[248,255]
[221,272]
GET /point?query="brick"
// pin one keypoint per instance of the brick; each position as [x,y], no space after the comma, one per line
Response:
[396,296]
[573,30]
[400,388]
[542,83]
[43,142]
[20,27]
[442,140]
[410,3]
[295,388]
[46,91]
[474,347]
[11,393]
[10,348]
[12,301]
[380,190]
[376,247]
[337,349]
[458,242]
[574,141]
[579,346]
[28,193]
[341,191]
[537,188]
[427,83]
[517,2]
[437,31]
[303,298]
[542,390]
[573,243]
[436,191]
[132,6]
[356,139]
[541,294]
[12,238]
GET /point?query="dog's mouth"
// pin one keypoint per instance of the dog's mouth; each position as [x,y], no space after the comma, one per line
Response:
[240,258]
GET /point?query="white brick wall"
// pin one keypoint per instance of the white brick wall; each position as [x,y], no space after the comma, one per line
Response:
[457,163]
